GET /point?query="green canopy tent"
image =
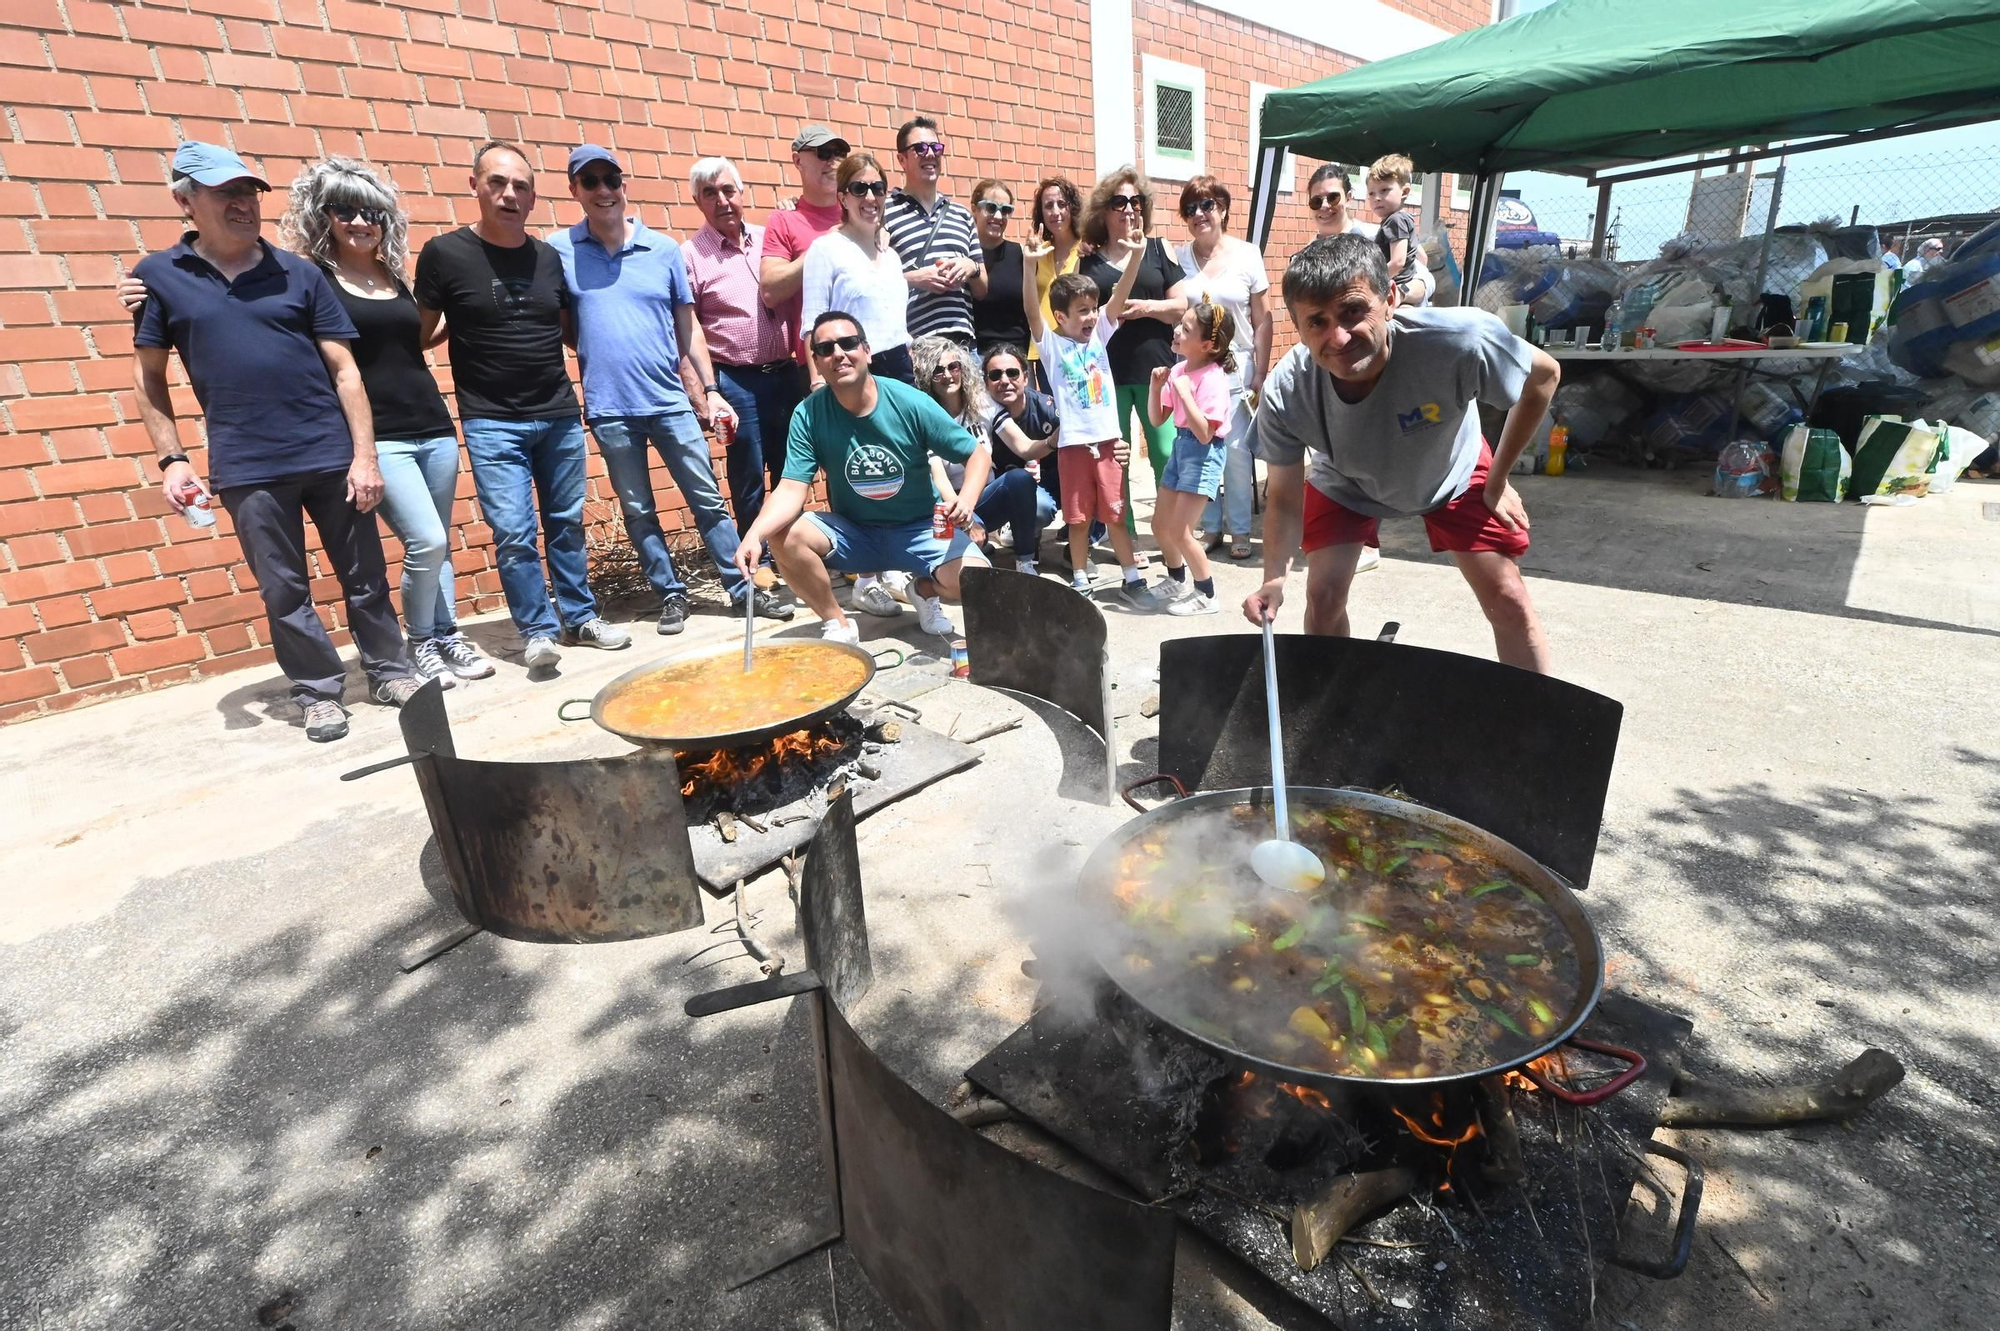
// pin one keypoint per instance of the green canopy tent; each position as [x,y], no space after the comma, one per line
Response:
[1583,86]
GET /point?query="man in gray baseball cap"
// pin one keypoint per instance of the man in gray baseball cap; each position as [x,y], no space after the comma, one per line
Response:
[788,232]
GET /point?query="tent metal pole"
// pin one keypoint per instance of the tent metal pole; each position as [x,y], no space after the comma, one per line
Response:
[1263,193]
[1770,225]
[1601,227]
[1479,230]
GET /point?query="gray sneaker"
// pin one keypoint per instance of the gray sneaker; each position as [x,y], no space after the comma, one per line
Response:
[1135,593]
[540,654]
[395,692]
[465,660]
[876,599]
[597,632]
[769,606]
[325,720]
[429,660]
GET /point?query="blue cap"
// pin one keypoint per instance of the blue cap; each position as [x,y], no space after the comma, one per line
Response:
[212,164]
[591,152]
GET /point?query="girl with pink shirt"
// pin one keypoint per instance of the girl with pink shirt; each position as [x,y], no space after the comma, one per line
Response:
[1195,392]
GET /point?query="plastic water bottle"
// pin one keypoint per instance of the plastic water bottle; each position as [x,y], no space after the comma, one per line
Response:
[1614,326]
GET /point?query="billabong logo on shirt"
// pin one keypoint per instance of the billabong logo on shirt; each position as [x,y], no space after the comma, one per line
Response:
[873,472]
[1421,419]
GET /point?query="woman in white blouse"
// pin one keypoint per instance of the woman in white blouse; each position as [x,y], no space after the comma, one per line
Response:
[1230,272]
[853,268]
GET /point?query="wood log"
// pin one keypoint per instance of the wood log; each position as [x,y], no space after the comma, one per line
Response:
[1846,1093]
[1318,1224]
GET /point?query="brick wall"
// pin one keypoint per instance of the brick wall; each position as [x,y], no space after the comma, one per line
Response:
[102,590]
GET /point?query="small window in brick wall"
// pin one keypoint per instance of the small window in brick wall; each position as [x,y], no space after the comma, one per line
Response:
[1176,104]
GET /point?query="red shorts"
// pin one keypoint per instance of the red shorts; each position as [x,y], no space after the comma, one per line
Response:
[1464,526]
[1092,489]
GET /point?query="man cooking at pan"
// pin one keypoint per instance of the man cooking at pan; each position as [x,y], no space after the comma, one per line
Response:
[1386,399]
[874,438]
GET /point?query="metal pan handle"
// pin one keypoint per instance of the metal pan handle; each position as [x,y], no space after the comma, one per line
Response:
[1677,1260]
[1595,1094]
[562,709]
[1180,791]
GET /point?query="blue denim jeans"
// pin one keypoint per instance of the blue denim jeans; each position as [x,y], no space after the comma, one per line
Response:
[1014,498]
[763,400]
[419,479]
[515,464]
[1231,511]
[624,441]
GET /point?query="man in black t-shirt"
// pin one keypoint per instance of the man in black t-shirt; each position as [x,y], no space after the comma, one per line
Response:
[506,308]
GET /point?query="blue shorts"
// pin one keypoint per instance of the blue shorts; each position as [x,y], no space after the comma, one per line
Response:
[1195,468]
[868,547]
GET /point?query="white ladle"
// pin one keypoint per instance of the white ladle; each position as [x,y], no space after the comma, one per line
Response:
[1281,862]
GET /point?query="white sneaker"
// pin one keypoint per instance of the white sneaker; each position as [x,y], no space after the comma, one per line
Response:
[899,583]
[833,630]
[1370,558]
[1194,603]
[541,653]
[874,599]
[931,617]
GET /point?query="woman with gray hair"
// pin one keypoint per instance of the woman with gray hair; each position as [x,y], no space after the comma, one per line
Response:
[1011,495]
[346,219]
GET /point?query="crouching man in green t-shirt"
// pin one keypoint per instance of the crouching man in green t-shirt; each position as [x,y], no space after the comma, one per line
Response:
[871,437]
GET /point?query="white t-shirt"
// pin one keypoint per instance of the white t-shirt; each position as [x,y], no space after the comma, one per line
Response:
[1080,373]
[1241,277]
[839,275]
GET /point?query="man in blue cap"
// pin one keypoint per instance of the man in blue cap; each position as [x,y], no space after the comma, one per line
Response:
[507,313]
[264,342]
[635,334]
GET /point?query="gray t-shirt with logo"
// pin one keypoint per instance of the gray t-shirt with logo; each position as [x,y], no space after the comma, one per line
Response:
[1410,446]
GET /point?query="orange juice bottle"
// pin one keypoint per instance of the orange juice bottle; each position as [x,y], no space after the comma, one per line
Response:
[1558,445]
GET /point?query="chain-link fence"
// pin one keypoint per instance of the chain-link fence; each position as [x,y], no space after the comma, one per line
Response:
[1908,194]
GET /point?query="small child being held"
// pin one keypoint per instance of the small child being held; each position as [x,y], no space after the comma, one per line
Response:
[1195,392]
[1389,194]
[1091,452]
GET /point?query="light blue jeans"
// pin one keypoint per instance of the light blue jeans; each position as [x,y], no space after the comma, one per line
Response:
[514,465]
[627,443]
[419,479]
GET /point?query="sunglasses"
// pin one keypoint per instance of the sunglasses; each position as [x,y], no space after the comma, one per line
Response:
[949,371]
[347,212]
[1124,202]
[848,343]
[997,209]
[935,149]
[1319,201]
[861,189]
[609,180]
[1002,376]
[830,152]
[1199,206]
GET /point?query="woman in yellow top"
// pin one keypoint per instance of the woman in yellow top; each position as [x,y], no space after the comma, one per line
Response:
[1058,206]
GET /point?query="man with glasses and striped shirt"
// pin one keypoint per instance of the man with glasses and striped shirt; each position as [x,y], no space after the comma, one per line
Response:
[935,237]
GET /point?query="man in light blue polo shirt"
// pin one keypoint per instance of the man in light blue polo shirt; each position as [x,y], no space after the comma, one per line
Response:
[635,329]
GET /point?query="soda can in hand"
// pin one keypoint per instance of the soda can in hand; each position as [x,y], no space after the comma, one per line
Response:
[197,505]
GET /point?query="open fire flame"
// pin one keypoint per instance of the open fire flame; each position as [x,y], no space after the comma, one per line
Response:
[727,768]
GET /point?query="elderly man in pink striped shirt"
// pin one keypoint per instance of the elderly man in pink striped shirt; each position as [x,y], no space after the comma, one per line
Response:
[750,343]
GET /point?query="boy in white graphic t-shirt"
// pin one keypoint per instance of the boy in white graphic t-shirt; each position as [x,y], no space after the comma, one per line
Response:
[1079,369]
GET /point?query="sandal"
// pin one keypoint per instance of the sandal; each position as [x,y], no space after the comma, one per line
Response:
[1239,548]
[1216,542]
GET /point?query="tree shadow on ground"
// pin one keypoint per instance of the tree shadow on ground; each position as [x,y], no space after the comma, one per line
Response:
[1804,930]
[512,1136]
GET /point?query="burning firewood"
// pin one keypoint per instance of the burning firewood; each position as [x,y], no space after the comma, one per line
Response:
[1846,1093]
[1319,1224]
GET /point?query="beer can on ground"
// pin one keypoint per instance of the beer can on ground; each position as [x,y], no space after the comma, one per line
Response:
[961,662]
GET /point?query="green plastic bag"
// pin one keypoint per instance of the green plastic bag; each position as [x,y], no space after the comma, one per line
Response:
[1812,467]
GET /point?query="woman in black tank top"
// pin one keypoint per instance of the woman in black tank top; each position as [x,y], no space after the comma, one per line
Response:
[346,218]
